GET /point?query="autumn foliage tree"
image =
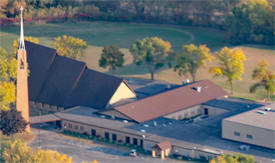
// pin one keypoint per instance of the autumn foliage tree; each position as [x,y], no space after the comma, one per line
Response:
[111,57]
[28,38]
[152,52]
[265,77]
[70,47]
[236,158]
[191,59]
[19,152]
[251,22]
[12,122]
[8,68]
[230,65]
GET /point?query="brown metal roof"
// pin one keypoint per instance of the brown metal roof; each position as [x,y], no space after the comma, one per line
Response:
[163,145]
[171,101]
[44,118]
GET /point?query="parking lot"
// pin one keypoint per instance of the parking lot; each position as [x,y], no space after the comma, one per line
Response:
[206,132]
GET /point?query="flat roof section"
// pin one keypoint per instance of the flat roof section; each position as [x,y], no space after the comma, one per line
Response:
[257,117]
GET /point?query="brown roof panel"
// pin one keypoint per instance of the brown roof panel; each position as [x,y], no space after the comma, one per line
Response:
[163,145]
[171,101]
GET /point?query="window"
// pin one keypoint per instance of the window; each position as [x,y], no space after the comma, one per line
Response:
[127,139]
[107,135]
[249,136]
[135,141]
[81,128]
[70,125]
[21,64]
[93,132]
[114,137]
[141,143]
[76,127]
[237,133]
[205,111]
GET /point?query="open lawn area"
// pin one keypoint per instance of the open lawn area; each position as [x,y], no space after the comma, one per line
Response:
[27,137]
[98,34]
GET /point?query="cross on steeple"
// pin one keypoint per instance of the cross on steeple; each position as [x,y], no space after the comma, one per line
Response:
[21,41]
[22,93]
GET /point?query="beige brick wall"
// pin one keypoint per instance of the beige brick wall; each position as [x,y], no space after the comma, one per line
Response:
[101,132]
[186,113]
[261,137]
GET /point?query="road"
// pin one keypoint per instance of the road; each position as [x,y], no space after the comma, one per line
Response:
[84,150]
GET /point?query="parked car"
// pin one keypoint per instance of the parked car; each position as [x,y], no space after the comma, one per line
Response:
[133,153]
[244,147]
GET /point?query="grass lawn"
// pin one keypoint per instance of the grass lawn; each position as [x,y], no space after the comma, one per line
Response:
[26,137]
[98,34]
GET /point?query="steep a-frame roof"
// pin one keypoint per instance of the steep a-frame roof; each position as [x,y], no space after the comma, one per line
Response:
[58,80]
[62,78]
[94,89]
[40,59]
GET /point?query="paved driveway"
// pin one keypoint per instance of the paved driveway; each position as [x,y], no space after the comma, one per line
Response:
[86,150]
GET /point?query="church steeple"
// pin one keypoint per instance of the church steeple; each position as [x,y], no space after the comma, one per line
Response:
[22,94]
[21,41]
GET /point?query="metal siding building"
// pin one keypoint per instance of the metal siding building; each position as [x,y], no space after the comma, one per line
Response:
[255,127]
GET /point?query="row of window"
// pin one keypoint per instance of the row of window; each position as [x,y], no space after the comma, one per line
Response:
[247,135]
[106,134]
[76,127]
[114,137]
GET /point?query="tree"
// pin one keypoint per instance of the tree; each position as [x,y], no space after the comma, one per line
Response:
[191,59]
[265,78]
[152,52]
[12,122]
[70,46]
[50,156]
[7,95]
[19,152]
[8,69]
[251,22]
[236,158]
[230,65]
[15,152]
[111,57]
[28,38]
[8,72]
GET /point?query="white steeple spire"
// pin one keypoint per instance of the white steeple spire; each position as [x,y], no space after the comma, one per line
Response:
[21,42]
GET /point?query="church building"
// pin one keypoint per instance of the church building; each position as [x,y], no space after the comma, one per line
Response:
[63,82]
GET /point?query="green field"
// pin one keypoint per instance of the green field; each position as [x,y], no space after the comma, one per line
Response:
[98,34]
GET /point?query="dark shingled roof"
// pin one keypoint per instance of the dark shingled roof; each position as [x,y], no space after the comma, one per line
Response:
[171,101]
[94,89]
[62,77]
[40,59]
[61,81]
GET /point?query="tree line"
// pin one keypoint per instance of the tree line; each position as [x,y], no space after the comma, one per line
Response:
[246,21]
[154,53]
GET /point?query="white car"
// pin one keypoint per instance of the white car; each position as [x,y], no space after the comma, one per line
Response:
[133,153]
